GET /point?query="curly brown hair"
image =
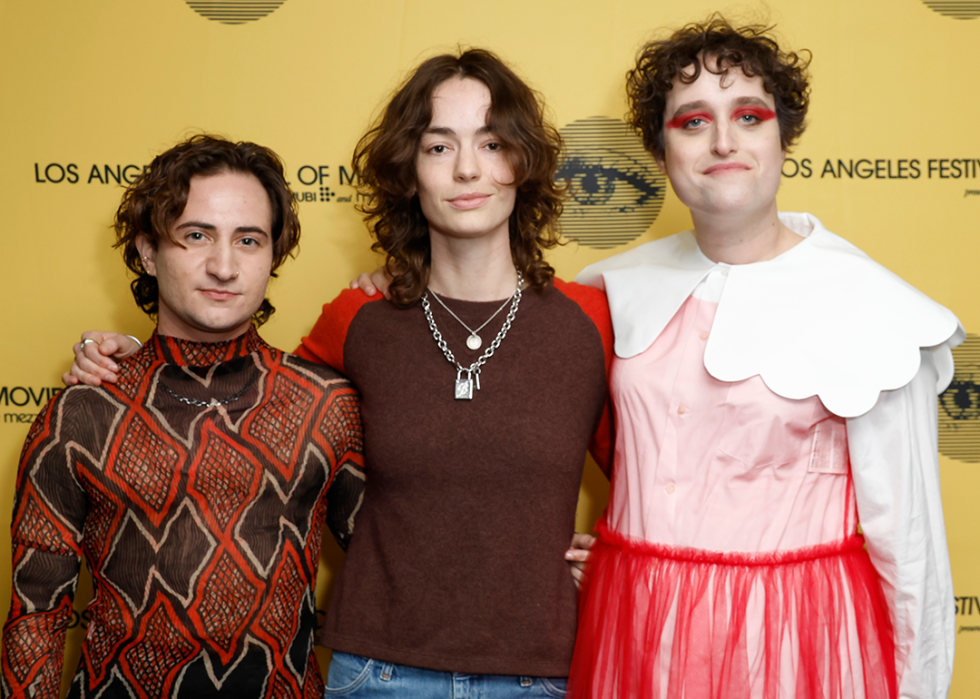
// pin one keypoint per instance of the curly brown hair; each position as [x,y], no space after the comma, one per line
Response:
[158,196]
[717,47]
[384,161]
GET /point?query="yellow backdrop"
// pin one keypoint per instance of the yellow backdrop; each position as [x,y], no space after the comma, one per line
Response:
[90,91]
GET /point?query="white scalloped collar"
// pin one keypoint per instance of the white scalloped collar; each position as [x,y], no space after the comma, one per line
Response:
[821,319]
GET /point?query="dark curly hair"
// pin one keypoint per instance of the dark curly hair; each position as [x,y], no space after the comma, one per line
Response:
[716,46]
[158,196]
[384,161]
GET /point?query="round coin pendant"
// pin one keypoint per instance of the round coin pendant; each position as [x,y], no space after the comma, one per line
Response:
[474,342]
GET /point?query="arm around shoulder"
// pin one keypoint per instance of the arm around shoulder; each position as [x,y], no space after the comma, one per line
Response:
[325,343]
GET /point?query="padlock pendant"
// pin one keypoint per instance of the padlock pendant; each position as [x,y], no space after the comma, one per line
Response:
[464,386]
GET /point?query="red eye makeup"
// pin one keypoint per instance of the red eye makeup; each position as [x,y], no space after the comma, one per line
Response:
[760,113]
[682,120]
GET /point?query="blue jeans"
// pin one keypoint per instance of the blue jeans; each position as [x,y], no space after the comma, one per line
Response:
[363,678]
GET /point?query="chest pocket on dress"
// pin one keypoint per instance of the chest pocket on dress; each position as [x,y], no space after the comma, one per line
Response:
[828,450]
[764,430]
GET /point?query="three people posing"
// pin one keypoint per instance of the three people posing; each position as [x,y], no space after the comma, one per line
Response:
[773,387]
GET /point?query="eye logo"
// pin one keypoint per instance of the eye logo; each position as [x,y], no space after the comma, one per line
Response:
[234,11]
[959,406]
[615,186]
[957,9]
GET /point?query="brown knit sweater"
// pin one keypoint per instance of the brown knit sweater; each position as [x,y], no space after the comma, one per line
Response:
[457,562]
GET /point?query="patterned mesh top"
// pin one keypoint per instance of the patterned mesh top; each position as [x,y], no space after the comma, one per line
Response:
[197,489]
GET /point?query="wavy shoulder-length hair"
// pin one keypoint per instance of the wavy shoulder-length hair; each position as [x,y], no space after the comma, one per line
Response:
[717,47]
[157,198]
[384,162]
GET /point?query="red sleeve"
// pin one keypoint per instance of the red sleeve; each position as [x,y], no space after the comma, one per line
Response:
[325,343]
[593,302]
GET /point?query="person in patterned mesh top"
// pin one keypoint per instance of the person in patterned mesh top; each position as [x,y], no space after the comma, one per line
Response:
[196,485]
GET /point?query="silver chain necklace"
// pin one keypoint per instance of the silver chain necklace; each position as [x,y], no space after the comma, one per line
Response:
[463,389]
[474,341]
[213,403]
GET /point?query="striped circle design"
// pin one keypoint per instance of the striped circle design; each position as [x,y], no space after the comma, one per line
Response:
[616,189]
[959,406]
[234,11]
[957,9]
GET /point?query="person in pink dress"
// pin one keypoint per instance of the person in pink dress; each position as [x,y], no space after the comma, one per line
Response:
[774,526]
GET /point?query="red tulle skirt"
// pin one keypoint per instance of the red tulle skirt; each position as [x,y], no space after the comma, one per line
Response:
[660,622]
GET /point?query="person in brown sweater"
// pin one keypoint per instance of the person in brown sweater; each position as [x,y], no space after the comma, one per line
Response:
[482,382]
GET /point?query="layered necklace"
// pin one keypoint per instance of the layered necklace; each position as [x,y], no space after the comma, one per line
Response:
[466,377]
[474,341]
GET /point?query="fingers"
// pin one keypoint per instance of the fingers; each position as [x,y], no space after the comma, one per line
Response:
[111,344]
[92,366]
[96,355]
[578,555]
[108,349]
[380,280]
[372,282]
[88,371]
[364,283]
[579,550]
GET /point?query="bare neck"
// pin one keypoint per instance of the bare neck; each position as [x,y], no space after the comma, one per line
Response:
[472,270]
[750,238]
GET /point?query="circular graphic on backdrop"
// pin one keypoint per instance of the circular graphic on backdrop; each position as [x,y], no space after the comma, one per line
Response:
[959,405]
[616,189]
[234,11]
[957,9]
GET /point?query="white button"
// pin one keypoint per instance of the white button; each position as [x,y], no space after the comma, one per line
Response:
[670,488]
[724,271]
[703,335]
[681,409]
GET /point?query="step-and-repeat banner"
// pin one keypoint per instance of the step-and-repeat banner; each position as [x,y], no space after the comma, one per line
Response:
[90,91]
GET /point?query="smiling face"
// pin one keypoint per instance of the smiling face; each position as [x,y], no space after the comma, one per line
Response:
[463,173]
[215,279]
[722,148]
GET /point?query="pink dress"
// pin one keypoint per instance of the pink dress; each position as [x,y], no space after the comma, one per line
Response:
[729,562]
[724,600]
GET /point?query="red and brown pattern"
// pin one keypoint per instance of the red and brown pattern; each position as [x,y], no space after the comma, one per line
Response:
[156,659]
[45,532]
[283,687]
[228,599]
[226,481]
[281,616]
[200,524]
[277,421]
[145,464]
[313,688]
[104,516]
[100,647]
